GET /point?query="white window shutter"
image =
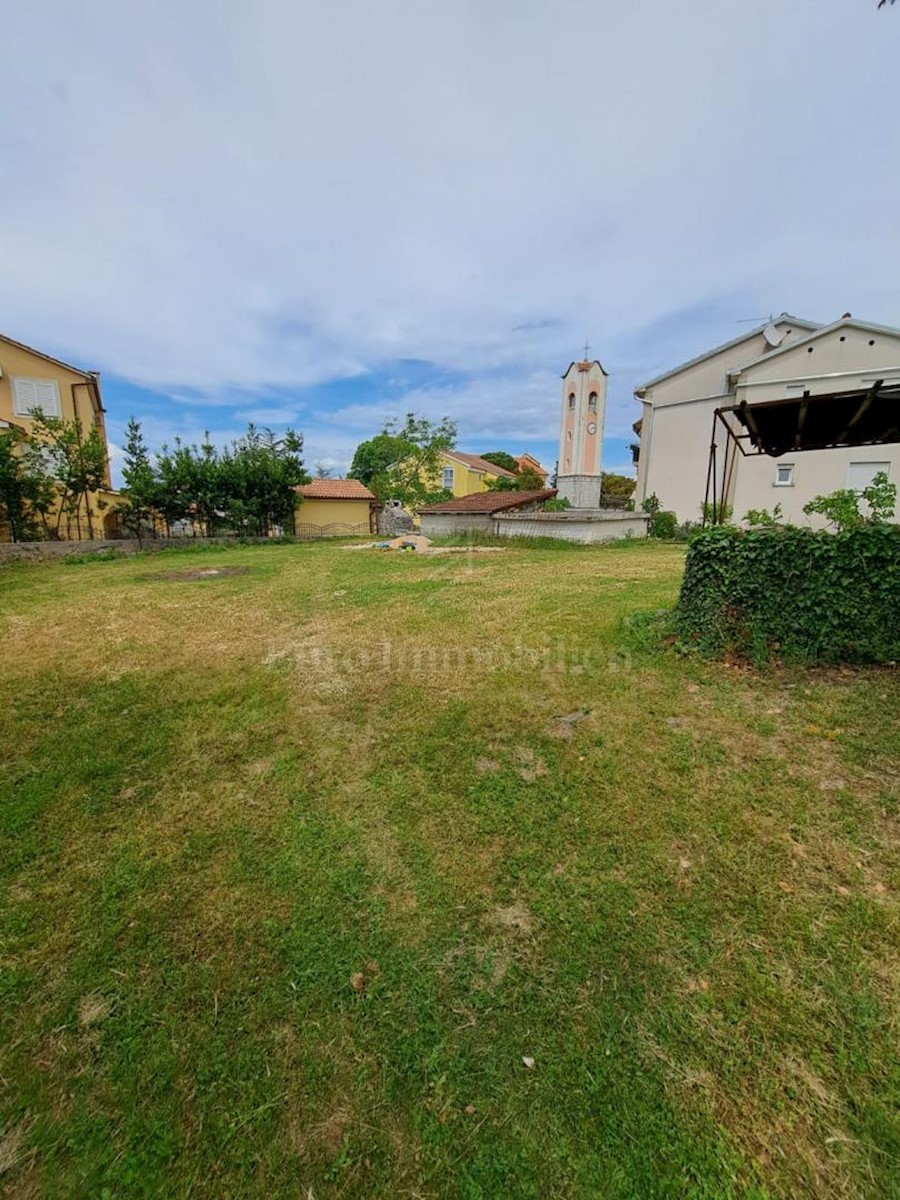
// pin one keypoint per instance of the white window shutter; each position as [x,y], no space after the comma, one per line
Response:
[861,474]
[36,393]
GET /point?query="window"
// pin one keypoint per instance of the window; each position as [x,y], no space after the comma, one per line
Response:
[592,402]
[784,475]
[447,479]
[861,474]
[571,399]
[29,394]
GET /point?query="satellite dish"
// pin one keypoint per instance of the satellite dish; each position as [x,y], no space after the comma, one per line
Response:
[773,335]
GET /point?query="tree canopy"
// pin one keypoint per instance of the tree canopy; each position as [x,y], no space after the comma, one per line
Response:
[247,488]
[48,478]
[403,461]
[501,459]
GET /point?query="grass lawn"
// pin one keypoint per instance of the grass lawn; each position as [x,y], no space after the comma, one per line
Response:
[298,864]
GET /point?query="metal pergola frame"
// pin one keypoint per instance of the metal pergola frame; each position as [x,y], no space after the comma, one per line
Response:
[743,436]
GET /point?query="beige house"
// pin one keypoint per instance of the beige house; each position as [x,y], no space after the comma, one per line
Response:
[785,357]
[30,380]
[334,508]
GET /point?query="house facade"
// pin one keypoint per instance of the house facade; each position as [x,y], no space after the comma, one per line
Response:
[465,474]
[785,357]
[334,508]
[30,379]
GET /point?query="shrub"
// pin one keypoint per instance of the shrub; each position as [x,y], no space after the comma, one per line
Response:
[716,514]
[793,593]
[662,525]
[842,508]
[557,504]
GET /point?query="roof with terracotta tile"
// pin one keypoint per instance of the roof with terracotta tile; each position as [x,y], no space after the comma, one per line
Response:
[334,489]
[477,463]
[490,502]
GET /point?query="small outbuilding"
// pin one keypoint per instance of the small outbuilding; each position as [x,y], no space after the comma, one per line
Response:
[334,508]
[477,512]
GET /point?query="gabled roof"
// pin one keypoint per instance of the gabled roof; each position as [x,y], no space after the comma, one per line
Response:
[334,489]
[57,362]
[584,364]
[490,502]
[781,319]
[527,462]
[476,463]
[822,331]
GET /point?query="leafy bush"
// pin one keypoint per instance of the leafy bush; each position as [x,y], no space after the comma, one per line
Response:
[716,514]
[557,504]
[762,518]
[793,593]
[662,525]
[686,530]
[841,508]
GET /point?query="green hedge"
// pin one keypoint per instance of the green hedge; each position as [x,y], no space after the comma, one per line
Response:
[794,593]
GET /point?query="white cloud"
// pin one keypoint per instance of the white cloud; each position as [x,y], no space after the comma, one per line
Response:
[225,199]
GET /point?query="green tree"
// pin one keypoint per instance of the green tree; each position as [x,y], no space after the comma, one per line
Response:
[374,458]
[257,477]
[501,459]
[140,491]
[247,487]
[27,492]
[76,459]
[616,485]
[412,478]
[524,481]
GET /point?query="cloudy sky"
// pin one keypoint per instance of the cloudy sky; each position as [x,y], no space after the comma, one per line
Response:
[324,214]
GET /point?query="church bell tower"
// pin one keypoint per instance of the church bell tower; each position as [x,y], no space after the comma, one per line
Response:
[581,433]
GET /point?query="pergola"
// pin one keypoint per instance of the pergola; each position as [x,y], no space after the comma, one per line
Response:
[868,416]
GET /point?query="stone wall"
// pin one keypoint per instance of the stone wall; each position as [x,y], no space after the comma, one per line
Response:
[44,551]
[446,524]
[38,551]
[393,521]
[572,525]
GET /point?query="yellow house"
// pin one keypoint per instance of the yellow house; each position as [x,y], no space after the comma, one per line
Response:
[30,379]
[334,508]
[464,474]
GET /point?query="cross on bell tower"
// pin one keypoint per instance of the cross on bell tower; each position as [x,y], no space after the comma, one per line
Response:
[581,432]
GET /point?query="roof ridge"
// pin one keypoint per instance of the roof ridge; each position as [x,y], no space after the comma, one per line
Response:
[840,323]
[813,326]
[49,357]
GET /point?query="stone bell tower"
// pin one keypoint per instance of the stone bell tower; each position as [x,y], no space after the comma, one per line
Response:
[581,433]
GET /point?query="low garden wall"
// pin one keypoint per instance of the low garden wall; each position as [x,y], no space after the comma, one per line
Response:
[41,551]
[36,551]
[573,525]
[794,593]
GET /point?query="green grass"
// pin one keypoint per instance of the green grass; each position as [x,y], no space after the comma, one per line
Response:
[297,864]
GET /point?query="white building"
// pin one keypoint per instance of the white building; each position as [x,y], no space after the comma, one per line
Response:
[785,357]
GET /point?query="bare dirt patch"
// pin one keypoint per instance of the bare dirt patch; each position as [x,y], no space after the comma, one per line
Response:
[486,766]
[93,1009]
[514,917]
[530,767]
[198,574]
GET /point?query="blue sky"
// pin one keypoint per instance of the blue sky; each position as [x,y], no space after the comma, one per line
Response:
[326,215]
